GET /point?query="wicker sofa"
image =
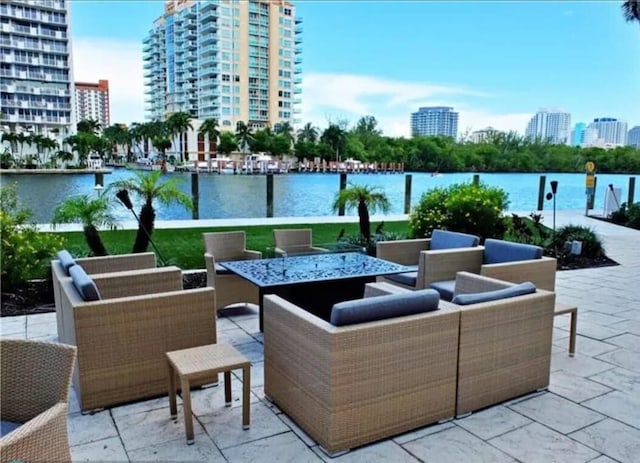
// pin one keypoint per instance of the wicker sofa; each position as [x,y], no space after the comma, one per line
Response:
[35,378]
[504,344]
[350,385]
[122,337]
[92,265]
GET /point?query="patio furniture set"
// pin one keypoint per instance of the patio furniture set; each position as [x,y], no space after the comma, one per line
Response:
[356,348]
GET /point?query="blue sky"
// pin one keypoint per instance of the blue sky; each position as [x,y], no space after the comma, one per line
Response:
[495,62]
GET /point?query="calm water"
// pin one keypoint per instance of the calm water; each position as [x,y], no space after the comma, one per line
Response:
[299,195]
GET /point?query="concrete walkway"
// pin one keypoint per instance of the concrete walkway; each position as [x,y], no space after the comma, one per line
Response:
[591,412]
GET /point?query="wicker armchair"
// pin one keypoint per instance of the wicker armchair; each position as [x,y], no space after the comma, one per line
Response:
[505,345]
[123,337]
[230,288]
[35,380]
[347,386]
[91,265]
[294,241]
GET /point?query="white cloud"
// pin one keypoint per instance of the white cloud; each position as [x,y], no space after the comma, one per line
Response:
[326,96]
[118,61]
[347,96]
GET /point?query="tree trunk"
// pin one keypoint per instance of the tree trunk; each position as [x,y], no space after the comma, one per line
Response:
[92,236]
[147,219]
[365,224]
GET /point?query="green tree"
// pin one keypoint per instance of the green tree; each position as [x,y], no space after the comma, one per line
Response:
[336,138]
[178,124]
[228,143]
[631,10]
[89,126]
[308,133]
[364,198]
[209,129]
[92,213]
[244,135]
[148,187]
[286,130]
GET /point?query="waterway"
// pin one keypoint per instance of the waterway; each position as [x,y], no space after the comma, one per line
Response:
[306,194]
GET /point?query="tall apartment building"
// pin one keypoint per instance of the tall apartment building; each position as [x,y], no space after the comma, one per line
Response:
[435,120]
[36,75]
[226,59]
[92,102]
[633,137]
[552,125]
[577,134]
[612,131]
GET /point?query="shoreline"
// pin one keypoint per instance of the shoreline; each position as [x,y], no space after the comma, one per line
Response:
[55,171]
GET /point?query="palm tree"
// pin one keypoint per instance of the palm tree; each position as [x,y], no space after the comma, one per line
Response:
[64,156]
[285,129]
[209,129]
[12,139]
[308,133]
[148,187]
[631,10]
[91,213]
[118,135]
[335,137]
[228,143]
[89,126]
[244,136]
[363,197]
[178,124]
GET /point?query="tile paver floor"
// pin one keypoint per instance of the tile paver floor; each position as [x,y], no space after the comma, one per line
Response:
[591,412]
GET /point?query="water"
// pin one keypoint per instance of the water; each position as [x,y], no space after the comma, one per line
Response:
[300,195]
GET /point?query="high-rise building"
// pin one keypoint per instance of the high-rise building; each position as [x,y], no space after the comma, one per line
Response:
[225,59]
[612,131]
[483,135]
[633,137]
[552,125]
[435,120]
[92,102]
[577,134]
[36,85]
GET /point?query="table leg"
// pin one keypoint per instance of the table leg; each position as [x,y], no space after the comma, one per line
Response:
[227,388]
[260,307]
[173,407]
[572,334]
[246,388]
[186,408]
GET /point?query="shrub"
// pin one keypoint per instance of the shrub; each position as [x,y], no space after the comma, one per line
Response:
[466,208]
[591,243]
[529,231]
[25,251]
[627,215]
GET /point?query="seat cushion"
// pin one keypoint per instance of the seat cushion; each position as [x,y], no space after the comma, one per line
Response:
[8,426]
[383,307]
[512,291]
[499,251]
[66,260]
[443,239]
[407,278]
[84,284]
[445,288]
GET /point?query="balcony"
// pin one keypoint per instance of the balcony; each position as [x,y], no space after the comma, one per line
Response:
[297,90]
[297,40]
[208,26]
[208,50]
[208,38]
[298,20]
[297,50]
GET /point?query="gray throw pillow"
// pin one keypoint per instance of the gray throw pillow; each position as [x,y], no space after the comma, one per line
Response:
[383,307]
[505,293]
[66,260]
[84,284]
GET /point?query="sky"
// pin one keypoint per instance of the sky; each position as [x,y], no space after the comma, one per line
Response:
[496,63]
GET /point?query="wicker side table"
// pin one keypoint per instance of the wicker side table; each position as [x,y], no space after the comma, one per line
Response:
[562,309]
[204,361]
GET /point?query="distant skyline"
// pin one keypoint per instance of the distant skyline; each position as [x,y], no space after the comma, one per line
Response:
[496,63]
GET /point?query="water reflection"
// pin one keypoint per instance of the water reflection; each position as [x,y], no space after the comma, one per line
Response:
[299,195]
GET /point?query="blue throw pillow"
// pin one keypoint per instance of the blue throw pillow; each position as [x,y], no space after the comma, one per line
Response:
[66,260]
[499,251]
[383,307]
[505,293]
[84,284]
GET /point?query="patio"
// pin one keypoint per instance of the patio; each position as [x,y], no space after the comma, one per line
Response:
[590,414]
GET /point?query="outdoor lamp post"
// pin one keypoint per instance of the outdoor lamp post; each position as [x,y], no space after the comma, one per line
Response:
[552,195]
[123,196]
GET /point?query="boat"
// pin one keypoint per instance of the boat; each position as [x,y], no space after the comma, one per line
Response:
[149,164]
[215,165]
[263,164]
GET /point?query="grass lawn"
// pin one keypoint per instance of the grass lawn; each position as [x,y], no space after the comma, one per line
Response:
[184,247]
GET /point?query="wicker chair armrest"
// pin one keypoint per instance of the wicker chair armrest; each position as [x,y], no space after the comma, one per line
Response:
[404,252]
[441,265]
[118,262]
[382,288]
[136,282]
[467,283]
[541,272]
[43,438]
[249,254]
